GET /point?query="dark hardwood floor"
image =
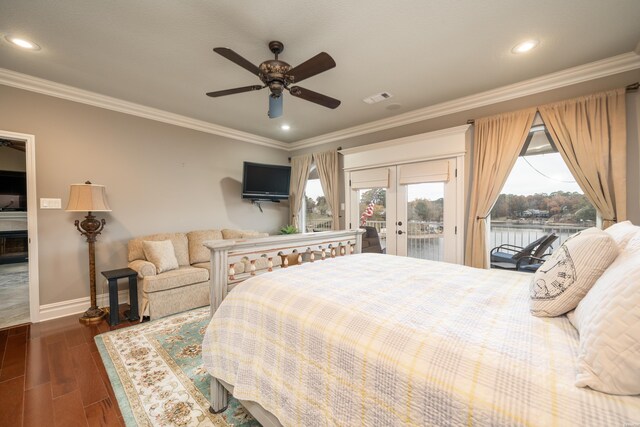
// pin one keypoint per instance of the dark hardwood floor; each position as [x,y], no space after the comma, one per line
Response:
[51,374]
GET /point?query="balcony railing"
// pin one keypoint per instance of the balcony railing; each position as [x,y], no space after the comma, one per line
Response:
[320,224]
[425,239]
[521,234]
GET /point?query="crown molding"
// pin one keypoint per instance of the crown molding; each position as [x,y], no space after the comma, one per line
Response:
[606,67]
[58,90]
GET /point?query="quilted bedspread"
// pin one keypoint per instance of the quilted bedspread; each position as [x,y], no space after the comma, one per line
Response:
[379,340]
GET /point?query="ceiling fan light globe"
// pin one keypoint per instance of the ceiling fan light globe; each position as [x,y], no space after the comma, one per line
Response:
[275,106]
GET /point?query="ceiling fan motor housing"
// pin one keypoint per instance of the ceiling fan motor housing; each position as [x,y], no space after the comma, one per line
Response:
[272,74]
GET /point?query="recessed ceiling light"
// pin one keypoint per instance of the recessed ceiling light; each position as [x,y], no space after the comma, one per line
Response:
[285,127]
[22,43]
[525,46]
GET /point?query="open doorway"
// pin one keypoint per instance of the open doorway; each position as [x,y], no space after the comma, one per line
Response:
[18,286]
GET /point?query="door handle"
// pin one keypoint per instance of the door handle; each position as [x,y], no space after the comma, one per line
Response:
[399,223]
[400,231]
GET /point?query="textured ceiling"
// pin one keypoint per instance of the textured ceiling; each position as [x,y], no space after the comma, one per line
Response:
[159,53]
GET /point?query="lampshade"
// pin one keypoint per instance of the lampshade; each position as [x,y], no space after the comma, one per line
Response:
[87,198]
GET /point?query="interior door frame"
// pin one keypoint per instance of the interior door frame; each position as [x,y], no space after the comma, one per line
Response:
[32,220]
[448,143]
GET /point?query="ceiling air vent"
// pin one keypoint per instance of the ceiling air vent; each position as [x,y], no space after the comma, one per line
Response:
[377,97]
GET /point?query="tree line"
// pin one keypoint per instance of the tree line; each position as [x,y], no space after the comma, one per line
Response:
[559,206]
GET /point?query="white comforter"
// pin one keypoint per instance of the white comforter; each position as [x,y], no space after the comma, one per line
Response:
[378,340]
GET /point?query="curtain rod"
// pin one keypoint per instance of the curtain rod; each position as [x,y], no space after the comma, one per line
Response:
[339,148]
[629,88]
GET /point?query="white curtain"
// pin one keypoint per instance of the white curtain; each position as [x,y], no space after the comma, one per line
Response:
[300,166]
[327,165]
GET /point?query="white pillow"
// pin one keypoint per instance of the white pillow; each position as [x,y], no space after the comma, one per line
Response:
[608,321]
[161,254]
[566,277]
[622,232]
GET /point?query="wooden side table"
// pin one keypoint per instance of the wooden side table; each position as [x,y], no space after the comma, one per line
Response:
[112,277]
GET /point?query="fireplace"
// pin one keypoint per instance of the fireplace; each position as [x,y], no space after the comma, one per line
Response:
[14,239]
[14,246]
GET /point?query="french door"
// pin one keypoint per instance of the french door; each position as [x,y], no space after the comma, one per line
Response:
[415,208]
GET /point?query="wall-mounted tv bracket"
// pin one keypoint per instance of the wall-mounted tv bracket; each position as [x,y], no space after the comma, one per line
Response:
[258,202]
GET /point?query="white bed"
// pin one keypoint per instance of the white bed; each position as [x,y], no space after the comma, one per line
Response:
[378,340]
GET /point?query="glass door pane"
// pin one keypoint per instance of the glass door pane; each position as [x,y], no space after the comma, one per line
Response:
[425,221]
[416,213]
[372,211]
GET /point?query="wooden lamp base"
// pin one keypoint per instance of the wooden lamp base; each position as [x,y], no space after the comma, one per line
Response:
[92,316]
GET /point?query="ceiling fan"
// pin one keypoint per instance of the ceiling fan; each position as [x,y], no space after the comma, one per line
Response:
[16,145]
[278,76]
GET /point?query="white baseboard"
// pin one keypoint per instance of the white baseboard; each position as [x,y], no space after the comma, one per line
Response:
[76,306]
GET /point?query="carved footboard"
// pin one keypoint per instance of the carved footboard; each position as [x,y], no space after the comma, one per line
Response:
[260,255]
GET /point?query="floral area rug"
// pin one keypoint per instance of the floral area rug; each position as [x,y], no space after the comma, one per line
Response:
[157,374]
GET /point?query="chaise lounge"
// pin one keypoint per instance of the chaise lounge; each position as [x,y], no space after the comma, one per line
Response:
[528,258]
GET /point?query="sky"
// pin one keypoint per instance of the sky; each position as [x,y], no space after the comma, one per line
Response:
[543,173]
[314,189]
[552,174]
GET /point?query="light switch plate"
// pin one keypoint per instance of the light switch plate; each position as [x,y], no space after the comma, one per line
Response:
[50,203]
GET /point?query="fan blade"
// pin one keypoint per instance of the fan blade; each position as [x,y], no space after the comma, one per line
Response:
[316,65]
[234,57]
[235,90]
[312,96]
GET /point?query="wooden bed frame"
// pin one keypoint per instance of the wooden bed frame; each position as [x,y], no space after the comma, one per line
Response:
[309,247]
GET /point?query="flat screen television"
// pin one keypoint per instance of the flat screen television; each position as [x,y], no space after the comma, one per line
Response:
[265,182]
[13,191]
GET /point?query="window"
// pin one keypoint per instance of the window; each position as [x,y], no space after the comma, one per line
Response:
[540,196]
[316,212]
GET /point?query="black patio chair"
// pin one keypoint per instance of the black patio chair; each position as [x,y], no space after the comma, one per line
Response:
[371,240]
[531,264]
[512,257]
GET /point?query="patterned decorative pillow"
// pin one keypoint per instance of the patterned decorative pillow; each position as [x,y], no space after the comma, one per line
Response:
[608,321]
[622,232]
[161,254]
[566,277]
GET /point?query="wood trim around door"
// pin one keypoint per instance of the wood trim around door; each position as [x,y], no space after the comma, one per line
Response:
[32,220]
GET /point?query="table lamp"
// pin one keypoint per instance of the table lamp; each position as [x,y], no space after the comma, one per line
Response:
[89,198]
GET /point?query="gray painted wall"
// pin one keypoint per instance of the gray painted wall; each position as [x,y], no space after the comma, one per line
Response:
[457,119]
[159,178]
